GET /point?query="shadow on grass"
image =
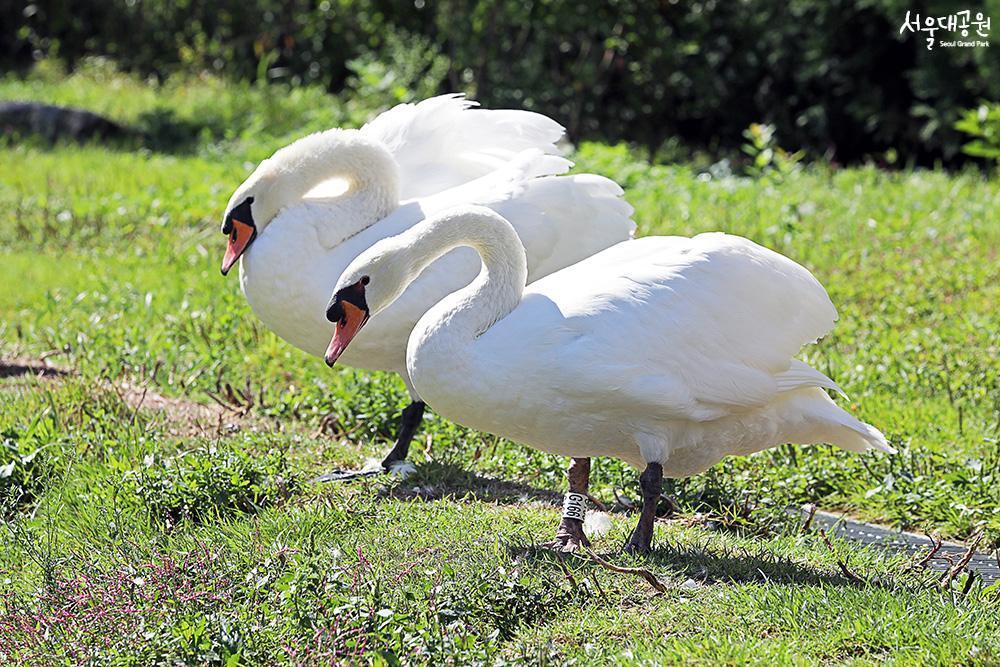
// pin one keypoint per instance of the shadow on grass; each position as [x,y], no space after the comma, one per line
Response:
[701,562]
[706,565]
[160,129]
[739,564]
[10,368]
[435,480]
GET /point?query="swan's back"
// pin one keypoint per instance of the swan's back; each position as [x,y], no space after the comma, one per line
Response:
[559,219]
[689,328]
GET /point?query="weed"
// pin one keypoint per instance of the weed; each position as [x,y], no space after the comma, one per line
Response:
[211,482]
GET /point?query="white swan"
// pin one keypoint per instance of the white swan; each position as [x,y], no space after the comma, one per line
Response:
[668,352]
[294,232]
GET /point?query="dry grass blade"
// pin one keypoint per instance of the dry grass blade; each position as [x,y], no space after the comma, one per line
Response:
[220,401]
[622,501]
[811,509]
[636,571]
[597,503]
[969,581]
[566,573]
[951,574]
[52,353]
[935,547]
[138,404]
[841,564]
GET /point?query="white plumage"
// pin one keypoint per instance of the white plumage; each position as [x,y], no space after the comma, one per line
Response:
[669,350]
[445,141]
[410,162]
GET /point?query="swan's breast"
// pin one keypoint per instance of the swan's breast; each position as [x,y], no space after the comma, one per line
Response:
[284,275]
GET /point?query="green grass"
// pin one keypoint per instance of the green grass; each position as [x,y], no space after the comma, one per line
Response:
[128,539]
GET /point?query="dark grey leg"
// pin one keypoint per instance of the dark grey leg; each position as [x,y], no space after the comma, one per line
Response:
[569,535]
[410,421]
[651,481]
[408,424]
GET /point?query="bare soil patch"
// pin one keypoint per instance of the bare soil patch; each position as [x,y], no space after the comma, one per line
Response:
[183,417]
[178,416]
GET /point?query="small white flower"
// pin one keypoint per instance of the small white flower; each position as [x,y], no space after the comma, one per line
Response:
[597,524]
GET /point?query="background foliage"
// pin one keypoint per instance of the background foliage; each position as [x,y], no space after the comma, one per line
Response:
[835,78]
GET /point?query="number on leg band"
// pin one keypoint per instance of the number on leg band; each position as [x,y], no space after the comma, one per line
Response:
[574,506]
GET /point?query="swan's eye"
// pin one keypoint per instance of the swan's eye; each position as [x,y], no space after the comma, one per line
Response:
[365,280]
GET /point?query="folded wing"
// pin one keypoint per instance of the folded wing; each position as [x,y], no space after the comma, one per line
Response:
[712,324]
[445,141]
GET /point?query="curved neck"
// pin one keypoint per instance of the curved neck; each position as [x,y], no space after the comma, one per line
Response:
[370,171]
[494,293]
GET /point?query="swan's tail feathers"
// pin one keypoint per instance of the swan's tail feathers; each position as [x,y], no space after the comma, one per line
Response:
[802,375]
[610,198]
[856,436]
[809,416]
[509,183]
[532,163]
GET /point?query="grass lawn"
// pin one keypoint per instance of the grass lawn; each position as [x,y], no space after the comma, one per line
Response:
[145,524]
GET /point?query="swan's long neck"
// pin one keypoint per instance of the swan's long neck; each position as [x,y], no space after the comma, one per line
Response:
[495,292]
[367,167]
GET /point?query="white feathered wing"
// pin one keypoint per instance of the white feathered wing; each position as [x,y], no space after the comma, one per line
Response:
[445,141]
[711,325]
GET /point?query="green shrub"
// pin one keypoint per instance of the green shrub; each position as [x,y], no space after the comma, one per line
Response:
[407,68]
[982,126]
[211,482]
[834,78]
[768,159]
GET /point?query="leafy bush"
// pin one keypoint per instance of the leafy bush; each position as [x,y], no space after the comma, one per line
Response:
[408,68]
[982,125]
[210,482]
[835,78]
[767,158]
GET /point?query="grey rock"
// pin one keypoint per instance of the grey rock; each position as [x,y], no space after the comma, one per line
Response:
[55,123]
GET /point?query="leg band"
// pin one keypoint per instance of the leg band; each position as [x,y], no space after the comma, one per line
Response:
[574,506]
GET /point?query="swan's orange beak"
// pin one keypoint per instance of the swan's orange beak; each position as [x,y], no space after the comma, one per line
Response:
[348,326]
[239,238]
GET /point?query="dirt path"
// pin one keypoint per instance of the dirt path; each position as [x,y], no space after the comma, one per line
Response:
[943,555]
[177,416]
